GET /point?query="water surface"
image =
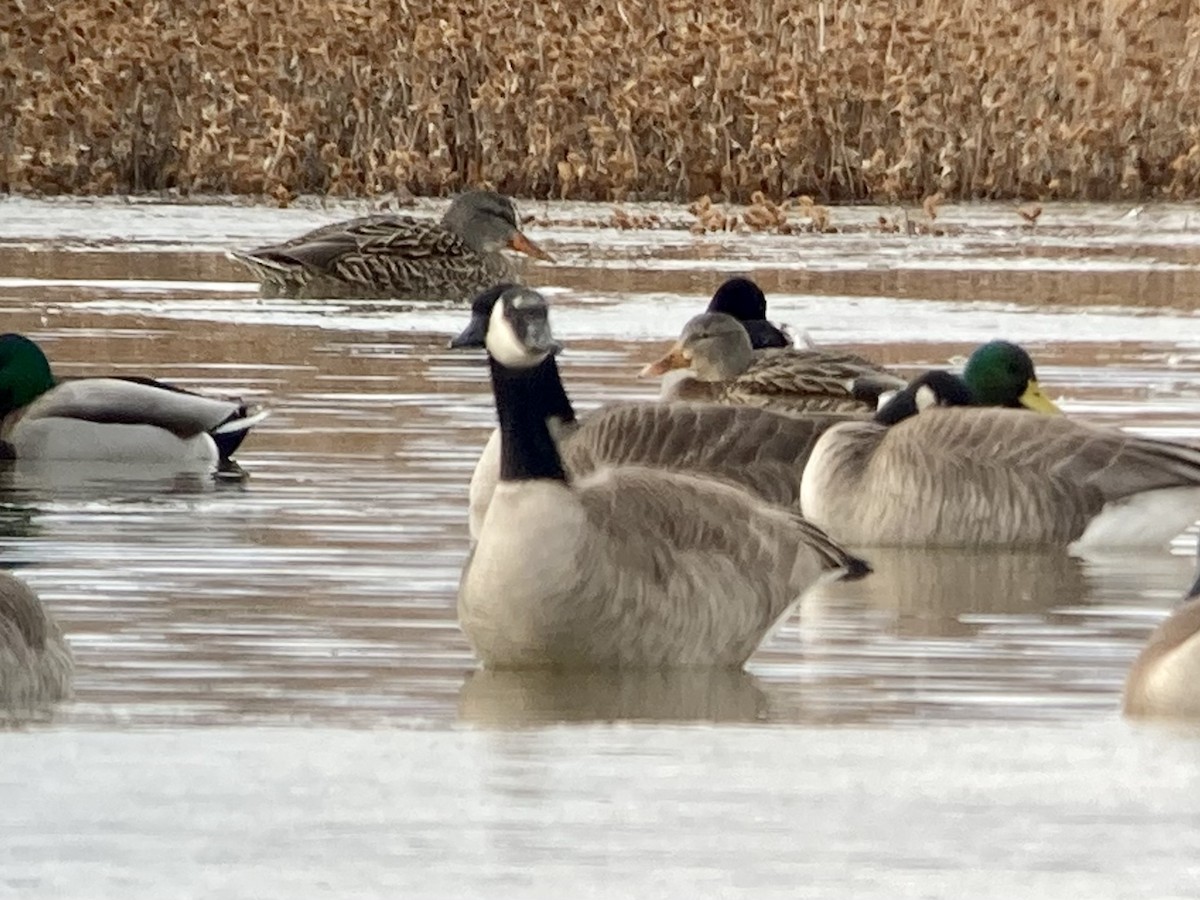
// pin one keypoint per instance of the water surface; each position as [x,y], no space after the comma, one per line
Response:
[273,697]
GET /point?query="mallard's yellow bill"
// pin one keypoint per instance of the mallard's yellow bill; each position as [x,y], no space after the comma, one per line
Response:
[1035,399]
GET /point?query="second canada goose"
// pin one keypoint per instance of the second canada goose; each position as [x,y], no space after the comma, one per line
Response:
[745,301]
[35,662]
[723,367]
[756,449]
[918,475]
[1164,680]
[626,568]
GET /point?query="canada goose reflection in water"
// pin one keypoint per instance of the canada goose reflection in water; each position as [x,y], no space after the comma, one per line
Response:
[540,696]
[951,592]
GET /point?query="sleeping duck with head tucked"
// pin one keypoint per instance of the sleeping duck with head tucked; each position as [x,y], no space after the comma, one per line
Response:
[134,420]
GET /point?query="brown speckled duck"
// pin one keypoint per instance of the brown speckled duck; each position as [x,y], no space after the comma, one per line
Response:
[386,256]
[723,367]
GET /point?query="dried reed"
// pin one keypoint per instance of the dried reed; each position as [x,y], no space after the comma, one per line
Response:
[661,99]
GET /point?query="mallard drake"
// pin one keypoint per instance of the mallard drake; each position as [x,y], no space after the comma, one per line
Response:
[921,475]
[398,257]
[758,450]
[118,420]
[1001,373]
[36,665]
[745,301]
[629,567]
[1164,680]
[723,367]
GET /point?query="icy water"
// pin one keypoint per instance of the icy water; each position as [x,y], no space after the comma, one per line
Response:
[273,698]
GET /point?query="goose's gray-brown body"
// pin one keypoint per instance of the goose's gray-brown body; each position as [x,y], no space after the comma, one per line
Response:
[998,477]
[758,450]
[722,367]
[388,256]
[629,567]
[635,568]
[35,663]
[1164,680]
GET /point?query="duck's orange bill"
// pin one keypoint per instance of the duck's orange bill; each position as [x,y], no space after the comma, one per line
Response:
[673,360]
[522,244]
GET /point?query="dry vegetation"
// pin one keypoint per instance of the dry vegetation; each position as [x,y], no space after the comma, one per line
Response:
[668,99]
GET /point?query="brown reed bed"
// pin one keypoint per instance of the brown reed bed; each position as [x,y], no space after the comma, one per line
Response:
[661,99]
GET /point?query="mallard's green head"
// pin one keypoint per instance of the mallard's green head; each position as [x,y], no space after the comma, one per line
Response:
[24,372]
[1001,373]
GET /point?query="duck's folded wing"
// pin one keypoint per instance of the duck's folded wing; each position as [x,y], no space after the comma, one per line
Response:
[819,373]
[361,240]
[135,402]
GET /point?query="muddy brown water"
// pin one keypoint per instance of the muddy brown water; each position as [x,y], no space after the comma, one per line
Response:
[273,697]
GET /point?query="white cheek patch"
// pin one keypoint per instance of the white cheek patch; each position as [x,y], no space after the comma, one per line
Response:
[926,397]
[503,343]
[525,299]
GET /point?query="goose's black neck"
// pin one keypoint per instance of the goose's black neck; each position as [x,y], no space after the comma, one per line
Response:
[525,399]
[558,404]
[900,407]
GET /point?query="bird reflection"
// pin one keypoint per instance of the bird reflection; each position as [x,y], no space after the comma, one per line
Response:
[90,479]
[537,697]
[936,593]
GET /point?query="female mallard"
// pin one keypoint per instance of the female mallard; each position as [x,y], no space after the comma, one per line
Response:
[629,567]
[35,662]
[1001,373]
[723,367]
[745,301]
[1165,678]
[758,450]
[917,475]
[398,257]
[116,420]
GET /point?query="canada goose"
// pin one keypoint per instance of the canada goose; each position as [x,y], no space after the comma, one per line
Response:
[117,419]
[398,257]
[1164,680]
[994,477]
[723,367]
[745,301]
[1001,373]
[35,662]
[756,449]
[629,567]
